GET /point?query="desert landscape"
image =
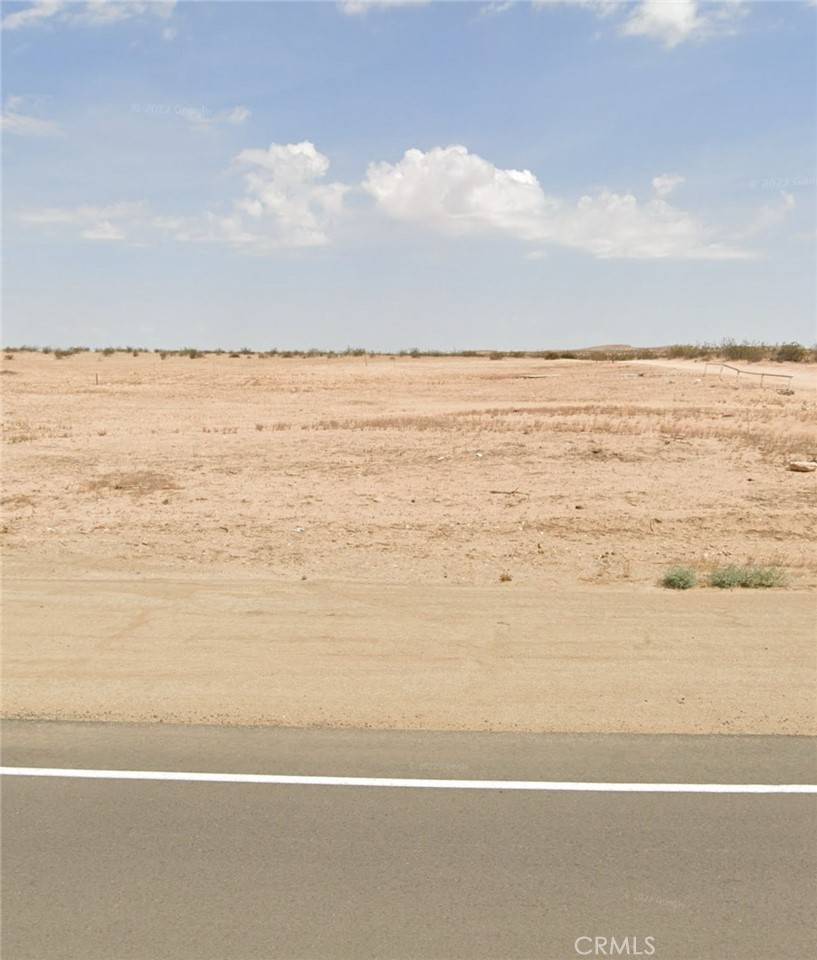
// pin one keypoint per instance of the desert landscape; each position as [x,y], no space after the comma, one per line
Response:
[406,542]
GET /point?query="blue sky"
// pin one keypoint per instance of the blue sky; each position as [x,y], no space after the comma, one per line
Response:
[445,175]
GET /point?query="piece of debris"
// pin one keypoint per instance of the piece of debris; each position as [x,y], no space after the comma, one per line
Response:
[803,466]
[786,392]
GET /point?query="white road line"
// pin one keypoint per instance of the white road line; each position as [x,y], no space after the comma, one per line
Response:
[541,785]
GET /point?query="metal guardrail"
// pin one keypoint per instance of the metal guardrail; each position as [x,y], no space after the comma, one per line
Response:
[748,373]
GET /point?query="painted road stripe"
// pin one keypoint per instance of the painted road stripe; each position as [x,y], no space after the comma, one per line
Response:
[541,785]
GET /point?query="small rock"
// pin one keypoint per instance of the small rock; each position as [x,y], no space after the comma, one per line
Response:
[803,466]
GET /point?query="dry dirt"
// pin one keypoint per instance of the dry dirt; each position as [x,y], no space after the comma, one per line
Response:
[321,541]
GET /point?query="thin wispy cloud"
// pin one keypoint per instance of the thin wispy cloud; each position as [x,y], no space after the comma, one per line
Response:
[107,222]
[13,120]
[770,215]
[359,8]
[92,13]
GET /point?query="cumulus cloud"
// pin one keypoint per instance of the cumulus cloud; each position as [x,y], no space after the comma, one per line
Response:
[23,125]
[671,22]
[674,21]
[458,193]
[287,202]
[359,8]
[89,13]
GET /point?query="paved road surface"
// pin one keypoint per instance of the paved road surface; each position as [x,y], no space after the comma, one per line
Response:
[114,869]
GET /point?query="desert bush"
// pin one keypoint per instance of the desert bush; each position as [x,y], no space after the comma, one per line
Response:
[192,353]
[791,353]
[751,352]
[749,575]
[497,355]
[679,578]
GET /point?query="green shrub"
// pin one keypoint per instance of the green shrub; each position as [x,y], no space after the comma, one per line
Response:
[749,575]
[679,578]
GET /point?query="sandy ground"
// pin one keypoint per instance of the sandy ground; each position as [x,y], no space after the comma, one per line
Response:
[321,541]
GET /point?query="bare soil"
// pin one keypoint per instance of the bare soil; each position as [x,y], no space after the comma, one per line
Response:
[441,543]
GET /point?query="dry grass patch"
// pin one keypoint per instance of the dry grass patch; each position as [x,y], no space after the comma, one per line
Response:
[140,483]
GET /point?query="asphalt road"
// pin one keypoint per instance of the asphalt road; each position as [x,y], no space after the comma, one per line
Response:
[115,869]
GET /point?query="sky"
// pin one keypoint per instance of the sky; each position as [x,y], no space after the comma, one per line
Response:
[439,175]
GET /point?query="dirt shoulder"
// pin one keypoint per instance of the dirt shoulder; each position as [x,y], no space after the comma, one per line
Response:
[588,659]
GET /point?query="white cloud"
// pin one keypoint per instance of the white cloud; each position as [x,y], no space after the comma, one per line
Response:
[668,21]
[89,13]
[37,13]
[13,121]
[666,183]
[495,8]
[359,8]
[459,194]
[286,202]
[674,21]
